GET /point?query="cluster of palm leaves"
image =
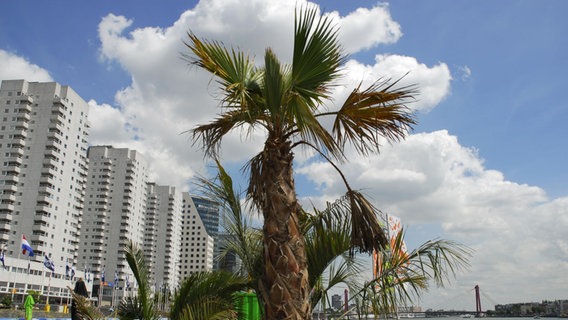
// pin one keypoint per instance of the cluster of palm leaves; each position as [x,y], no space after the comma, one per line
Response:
[287,102]
[403,277]
[211,295]
[298,256]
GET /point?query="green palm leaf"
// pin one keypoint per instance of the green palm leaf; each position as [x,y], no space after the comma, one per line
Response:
[404,276]
[136,262]
[212,292]
[244,240]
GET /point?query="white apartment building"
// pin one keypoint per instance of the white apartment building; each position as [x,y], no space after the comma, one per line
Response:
[162,236]
[43,141]
[43,144]
[115,207]
[196,244]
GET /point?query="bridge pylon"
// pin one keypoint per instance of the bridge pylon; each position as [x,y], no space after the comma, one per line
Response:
[477,302]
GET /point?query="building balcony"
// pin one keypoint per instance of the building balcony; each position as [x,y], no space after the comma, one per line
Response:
[20,141]
[52,141]
[46,179]
[11,180]
[5,206]
[23,117]
[97,255]
[49,172]
[17,151]
[40,227]
[25,99]
[25,108]
[8,197]
[13,170]
[5,216]
[9,188]
[42,207]
[14,161]
[41,216]
[53,136]
[58,112]
[50,162]
[58,101]
[22,126]
[5,229]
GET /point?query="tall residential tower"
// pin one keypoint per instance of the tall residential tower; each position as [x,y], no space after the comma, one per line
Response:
[114,213]
[162,243]
[43,145]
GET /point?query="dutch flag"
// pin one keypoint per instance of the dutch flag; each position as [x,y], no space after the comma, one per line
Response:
[26,248]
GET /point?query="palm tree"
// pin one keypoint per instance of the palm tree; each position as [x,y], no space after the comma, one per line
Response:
[287,102]
[402,276]
[326,235]
[208,295]
[142,306]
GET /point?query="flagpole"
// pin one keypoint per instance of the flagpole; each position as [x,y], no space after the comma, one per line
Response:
[14,277]
[48,289]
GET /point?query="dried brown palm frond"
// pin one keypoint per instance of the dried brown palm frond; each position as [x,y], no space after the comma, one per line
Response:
[378,111]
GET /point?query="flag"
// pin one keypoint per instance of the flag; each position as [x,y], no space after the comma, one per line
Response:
[116,279]
[127,282]
[48,263]
[66,270]
[72,272]
[26,248]
[2,259]
[87,274]
[103,275]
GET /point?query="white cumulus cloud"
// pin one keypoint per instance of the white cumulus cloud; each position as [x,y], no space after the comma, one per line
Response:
[431,180]
[14,67]
[167,97]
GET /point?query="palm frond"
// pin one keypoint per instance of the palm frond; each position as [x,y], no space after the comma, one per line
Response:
[235,71]
[327,238]
[211,134]
[274,86]
[84,308]
[209,308]
[375,112]
[367,233]
[316,63]
[244,240]
[200,290]
[130,308]
[317,56]
[404,276]
[136,262]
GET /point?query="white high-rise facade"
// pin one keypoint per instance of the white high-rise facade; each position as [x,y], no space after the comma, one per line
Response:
[43,167]
[196,244]
[115,206]
[163,232]
[43,146]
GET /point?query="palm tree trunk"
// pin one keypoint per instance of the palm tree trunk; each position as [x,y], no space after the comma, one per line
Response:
[284,285]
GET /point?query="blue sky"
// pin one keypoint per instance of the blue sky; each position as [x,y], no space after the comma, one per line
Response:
[484,166]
